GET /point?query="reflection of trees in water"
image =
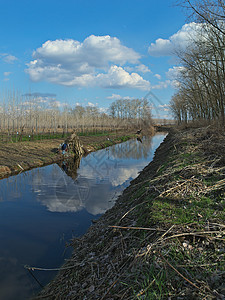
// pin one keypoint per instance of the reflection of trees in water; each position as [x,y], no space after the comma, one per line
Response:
[13,187]
[132,149]
[70,166]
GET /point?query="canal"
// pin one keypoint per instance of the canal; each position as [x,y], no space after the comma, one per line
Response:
[41,210]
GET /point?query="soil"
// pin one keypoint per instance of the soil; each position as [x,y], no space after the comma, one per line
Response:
[21,156]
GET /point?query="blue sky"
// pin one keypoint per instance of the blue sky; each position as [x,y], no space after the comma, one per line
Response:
[90,52]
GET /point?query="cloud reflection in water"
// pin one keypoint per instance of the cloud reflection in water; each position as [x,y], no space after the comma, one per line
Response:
[100,178]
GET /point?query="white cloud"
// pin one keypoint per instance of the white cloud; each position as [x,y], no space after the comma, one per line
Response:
[179,40]
[118,97]
[173,73]
[6,74]
[139,68]
[55,104]
[114,97]
[8,58]
[160,48]
[157,76]
[164,107]
[90,104]
[117,77]
[142,69]
[161,85]
[97,61]
[103,109]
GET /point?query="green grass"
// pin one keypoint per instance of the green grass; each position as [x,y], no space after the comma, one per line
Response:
[36,137]
[24,138]
[194,210]
[153,286]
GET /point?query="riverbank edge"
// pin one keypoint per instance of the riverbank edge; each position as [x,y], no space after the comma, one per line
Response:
[52,157]
[113,261]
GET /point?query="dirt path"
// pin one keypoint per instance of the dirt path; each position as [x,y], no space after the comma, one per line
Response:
[21,156]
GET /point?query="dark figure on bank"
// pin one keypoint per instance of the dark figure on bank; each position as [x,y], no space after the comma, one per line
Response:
[64,148]
[139,131]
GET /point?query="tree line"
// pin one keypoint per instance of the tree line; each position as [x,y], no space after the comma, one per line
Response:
[36,115]
[135,112]
[201,91]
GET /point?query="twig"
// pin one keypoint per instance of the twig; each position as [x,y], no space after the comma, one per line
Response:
[166,232]
[106,293]
[203,265]
[192,233]
[131,210]
[135,228]
[54,269]
[20,167]
[181,275]
[216,224]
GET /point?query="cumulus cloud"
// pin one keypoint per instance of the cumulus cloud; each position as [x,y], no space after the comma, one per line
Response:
[161,47]
[180,40]
[117,77]
[97,61]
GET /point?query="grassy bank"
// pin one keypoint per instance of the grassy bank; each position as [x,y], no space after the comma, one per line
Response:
[164,238]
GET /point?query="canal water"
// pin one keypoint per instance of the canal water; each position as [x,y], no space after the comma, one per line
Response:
[41,210]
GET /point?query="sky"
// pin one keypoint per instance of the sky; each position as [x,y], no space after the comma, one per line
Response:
[85,52]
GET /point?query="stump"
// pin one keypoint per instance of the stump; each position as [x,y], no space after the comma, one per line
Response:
[74,145]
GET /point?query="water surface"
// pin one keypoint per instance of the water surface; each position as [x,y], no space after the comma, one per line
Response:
[42,209]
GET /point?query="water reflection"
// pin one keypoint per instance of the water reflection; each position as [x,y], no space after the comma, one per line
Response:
[43,208]
[104,173]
